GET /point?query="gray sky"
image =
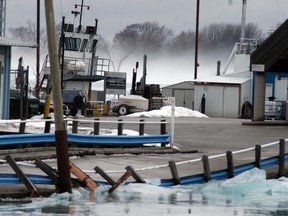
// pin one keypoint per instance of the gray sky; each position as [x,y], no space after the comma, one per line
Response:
[178,15]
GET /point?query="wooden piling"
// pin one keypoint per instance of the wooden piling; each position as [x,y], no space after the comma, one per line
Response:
[120,127]
[60,132]
[206,168]
[230,165]
[281,158]
[104,175]
[96,126]
[29,185]
[163,130]
[258,156]
[135,175]
[174,172]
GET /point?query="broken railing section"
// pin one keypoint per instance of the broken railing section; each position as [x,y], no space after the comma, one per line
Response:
[233,171]
[21,175]
[130,171]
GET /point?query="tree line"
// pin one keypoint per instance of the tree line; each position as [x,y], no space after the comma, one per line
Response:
[151,37]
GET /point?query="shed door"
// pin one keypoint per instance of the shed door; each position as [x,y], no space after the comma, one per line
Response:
[281,87]
[184,98]
[231,102]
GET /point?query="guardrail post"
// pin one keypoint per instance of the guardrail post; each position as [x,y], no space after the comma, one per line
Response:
[174,172]
[141,127]
[47,127]
[75,125]
[22,126]
[230,166]
[96,126]
[206,168]
[120,127]
[163,130]
[281,158]
[258,156]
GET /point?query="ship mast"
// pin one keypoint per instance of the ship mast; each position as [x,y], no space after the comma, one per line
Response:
[81,11]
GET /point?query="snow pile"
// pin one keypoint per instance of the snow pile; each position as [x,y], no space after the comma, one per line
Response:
[165,111]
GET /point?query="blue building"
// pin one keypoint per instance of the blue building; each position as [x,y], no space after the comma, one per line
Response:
[5,72]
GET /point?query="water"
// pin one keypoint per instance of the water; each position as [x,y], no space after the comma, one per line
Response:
[247,194]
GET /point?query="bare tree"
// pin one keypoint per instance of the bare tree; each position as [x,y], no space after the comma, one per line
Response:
[146,37]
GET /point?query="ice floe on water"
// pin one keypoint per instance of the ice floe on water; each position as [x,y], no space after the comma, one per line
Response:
[246,194]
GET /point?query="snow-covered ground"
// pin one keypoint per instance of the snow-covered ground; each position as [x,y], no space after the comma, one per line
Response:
[36,123]
[166,112]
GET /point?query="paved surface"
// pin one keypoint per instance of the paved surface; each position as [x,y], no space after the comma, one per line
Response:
[209,136]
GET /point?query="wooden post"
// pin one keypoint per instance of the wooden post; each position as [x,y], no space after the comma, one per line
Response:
[206,168]
[104,175]
[47,127]
[141,127]
[230,166]
[281,158]
[60,132]
[96,126]
[120,181]
[88,181]
[174,172]
[137,177]
[120,127]
[258,156]
[163,130]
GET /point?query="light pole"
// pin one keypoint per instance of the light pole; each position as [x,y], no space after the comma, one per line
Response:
[196,39]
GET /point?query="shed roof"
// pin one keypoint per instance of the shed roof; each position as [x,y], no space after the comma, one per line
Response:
[273,52]
[13,42]
[222,80]
[180,85]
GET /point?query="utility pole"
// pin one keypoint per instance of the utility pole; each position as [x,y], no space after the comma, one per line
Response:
[60,131]
[37,87]
[196,40]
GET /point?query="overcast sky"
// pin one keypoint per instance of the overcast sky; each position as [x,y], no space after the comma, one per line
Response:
[178,15]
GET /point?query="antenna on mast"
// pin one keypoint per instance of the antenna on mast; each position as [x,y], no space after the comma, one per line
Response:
[81,11]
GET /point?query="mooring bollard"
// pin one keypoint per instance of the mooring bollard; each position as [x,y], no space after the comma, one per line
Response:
[120,127]
[163,130]
[258,156]
[230,166]
[206,168]
[75,125]
[96,126]
[141,127]
[281,158]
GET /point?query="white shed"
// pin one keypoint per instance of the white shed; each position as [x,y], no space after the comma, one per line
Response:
[224,95]
[183,93]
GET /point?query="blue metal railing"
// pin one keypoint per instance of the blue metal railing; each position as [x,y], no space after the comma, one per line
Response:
[84,139]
